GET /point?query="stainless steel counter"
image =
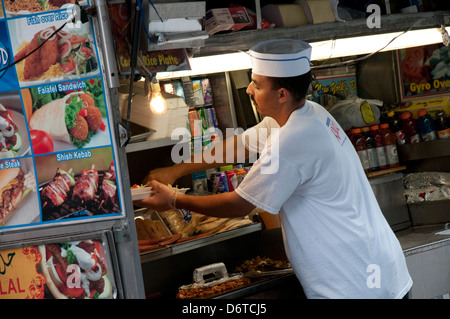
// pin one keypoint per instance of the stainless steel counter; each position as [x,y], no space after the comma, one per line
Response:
[428,259]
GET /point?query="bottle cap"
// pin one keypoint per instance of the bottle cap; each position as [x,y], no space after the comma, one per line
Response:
[356,130]
[421,112]
[384,125]
[365,129]
[374,127]
[390,114]
[405,115]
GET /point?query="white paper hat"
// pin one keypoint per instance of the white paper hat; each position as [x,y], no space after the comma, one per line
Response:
[281,58]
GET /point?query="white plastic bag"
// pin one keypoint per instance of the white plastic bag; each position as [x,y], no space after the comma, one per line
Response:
[356,112]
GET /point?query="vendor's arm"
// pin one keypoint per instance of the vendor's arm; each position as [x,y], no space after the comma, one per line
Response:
[219,205]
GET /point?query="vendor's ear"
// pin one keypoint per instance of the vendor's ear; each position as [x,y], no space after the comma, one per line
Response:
[283,95]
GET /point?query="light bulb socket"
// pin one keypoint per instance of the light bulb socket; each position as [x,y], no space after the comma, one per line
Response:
[154,85]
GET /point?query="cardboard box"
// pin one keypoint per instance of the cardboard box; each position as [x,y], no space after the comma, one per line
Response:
[225,19]
[432,105]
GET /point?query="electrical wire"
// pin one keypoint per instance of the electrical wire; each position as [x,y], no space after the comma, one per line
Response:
[37,48]
[323,65]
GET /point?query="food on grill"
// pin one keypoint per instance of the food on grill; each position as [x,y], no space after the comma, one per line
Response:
[85,194]
[55,193]
[108,188]
[86,185]
[262,264]
[210,280]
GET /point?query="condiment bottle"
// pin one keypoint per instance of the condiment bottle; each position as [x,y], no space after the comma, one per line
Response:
[359,143]
[426,126]
[371,150]
[442,126]
[410,128]
[396,128]
[390,146]
[379,146]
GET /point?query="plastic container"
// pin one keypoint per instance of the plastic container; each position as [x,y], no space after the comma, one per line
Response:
[359,142]
[371,150]
[442,126]
[390,146]
[426,126]
[396,128]
[379,146]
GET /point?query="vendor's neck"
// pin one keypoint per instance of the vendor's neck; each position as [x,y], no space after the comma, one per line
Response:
[286,110]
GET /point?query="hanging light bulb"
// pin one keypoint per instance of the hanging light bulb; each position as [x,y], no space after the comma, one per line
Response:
[158,104]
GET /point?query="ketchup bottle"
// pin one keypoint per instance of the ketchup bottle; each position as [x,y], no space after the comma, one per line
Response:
[359,143]
[390,146]
[410,128]
[379,146]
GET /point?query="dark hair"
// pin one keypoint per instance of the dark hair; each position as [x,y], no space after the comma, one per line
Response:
[297,85]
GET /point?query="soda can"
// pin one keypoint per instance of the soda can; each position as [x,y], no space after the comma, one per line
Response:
[232,180]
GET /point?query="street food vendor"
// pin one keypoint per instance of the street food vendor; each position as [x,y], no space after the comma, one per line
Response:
[336,237]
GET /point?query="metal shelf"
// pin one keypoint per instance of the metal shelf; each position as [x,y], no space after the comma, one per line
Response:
[198,243]
[424,150]
[243,40]
[144,145]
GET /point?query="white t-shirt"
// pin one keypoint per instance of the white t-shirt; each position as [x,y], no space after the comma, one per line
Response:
[336,237]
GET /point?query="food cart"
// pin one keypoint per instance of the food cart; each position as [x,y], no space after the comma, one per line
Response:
[67,228]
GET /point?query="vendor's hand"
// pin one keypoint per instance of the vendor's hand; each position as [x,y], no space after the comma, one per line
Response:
[163,175]
[163,199]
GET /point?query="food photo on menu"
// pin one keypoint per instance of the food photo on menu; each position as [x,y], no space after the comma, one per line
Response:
[77,184]
[67,119]
[21,7]
[46,54]
[19,204]
[14,140]
[88,259]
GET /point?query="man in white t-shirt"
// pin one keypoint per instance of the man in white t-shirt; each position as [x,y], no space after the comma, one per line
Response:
[336,237]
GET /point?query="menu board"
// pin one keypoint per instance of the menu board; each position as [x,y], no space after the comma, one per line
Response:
[57,160]
[424,71]
[60,270]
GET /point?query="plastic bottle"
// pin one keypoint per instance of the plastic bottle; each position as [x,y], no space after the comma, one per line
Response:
[371,150]
[442,126]
[359,143]
[426,126]
[396,128]
[379,146]
[410,128]
[389,146]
